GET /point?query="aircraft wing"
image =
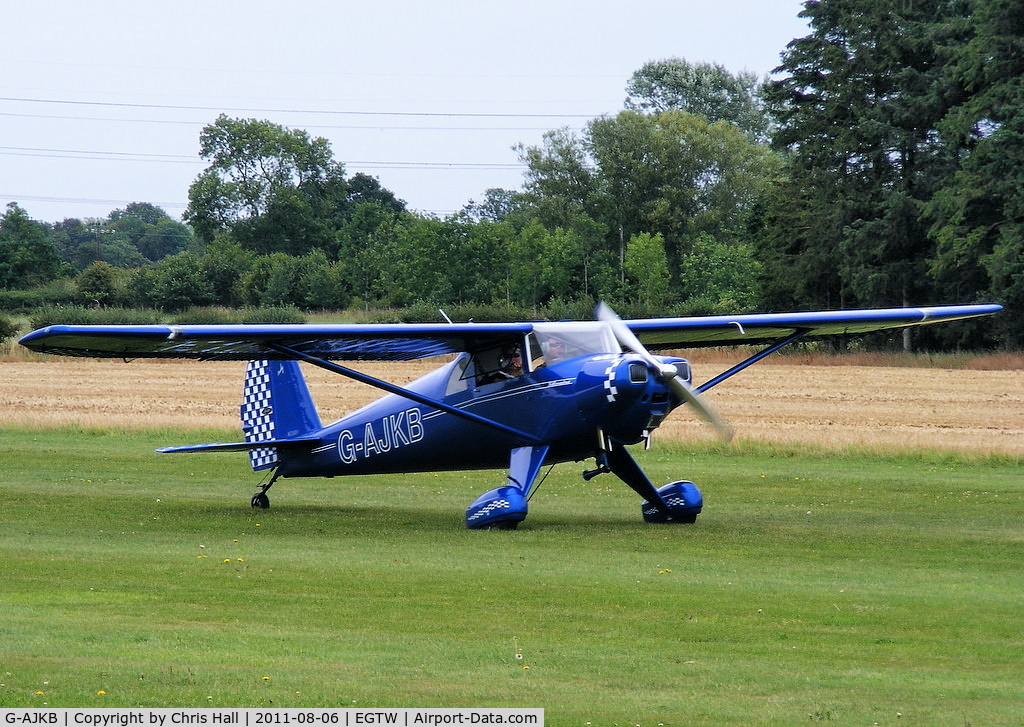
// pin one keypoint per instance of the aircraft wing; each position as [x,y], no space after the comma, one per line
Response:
[401,342]
[351,342]
[698,331]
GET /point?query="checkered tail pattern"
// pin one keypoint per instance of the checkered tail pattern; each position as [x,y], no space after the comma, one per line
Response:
[257,414]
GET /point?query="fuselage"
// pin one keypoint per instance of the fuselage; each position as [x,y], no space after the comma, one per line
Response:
[567,406]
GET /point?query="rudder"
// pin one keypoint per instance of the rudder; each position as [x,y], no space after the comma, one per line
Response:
[276,404]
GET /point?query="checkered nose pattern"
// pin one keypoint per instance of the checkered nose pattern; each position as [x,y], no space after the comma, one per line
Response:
[258,413]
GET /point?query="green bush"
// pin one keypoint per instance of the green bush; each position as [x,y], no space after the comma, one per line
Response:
[58,292]
[80,315]
[287,314]
[205,316]
[430,313]
[8,328]
[229,316]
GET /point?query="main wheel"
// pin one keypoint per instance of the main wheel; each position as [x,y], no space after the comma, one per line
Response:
[684,503]
[260,501]
[503,525]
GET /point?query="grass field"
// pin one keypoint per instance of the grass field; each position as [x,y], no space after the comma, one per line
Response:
[818,586]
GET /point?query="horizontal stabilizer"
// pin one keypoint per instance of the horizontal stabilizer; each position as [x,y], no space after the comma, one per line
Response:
[297,443]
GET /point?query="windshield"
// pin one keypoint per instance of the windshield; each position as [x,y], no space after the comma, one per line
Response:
[554,342]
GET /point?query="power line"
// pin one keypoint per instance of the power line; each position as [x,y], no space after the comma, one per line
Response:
[84,200]
[120,202]
[344,127]
[179,159]
[93,154]
[334,112]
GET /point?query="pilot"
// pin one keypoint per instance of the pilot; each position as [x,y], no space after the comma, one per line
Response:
[510,365]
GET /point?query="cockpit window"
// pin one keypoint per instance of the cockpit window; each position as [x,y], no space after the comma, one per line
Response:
[553,342]
[498,364]
[461,374]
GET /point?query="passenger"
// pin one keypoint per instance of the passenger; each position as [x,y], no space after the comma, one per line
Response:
[555,351]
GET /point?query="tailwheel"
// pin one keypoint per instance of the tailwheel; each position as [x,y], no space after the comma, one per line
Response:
[260,501]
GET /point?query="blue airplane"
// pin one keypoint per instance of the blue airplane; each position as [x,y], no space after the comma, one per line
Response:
[515,395]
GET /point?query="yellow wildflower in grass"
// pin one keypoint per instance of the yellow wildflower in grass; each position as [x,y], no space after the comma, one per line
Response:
[101,693]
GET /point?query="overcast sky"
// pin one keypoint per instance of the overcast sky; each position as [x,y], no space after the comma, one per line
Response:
[102,102]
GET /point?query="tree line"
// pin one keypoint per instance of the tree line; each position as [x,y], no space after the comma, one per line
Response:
[878,166]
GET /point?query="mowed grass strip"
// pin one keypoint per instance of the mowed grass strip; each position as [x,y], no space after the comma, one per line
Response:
[858,587]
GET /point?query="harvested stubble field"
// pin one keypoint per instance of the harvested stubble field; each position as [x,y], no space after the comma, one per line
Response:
[781,400]
[806,593]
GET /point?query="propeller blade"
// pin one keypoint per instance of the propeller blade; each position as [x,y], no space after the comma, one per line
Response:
[666,372]
[684,392]
[624,336]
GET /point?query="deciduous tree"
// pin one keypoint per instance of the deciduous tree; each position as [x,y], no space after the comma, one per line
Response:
[255,165]
[703,89]
[27,256]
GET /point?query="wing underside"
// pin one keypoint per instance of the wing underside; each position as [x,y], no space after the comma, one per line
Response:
[699,331]
[354,342]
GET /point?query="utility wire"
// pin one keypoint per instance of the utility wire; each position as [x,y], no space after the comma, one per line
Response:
[346,127]
[183,159]
[333,112]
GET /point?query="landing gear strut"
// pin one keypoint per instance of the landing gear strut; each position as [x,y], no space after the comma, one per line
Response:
[678,502]
[260,501]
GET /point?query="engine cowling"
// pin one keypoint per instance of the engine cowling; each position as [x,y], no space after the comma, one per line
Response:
[627,398]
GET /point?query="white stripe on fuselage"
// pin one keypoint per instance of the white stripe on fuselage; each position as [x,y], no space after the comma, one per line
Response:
[505,394]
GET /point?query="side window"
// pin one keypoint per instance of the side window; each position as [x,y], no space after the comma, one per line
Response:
[536,352]
[499,364]
[461,376]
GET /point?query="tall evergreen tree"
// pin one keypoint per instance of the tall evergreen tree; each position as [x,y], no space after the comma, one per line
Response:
[857,113]
[977,213]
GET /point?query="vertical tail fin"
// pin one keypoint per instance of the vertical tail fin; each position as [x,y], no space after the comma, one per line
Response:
[276,404]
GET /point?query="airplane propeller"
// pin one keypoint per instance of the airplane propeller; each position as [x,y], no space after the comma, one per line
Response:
[664,371]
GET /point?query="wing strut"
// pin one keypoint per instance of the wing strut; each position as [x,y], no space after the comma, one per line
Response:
[750,361]
[407,393]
